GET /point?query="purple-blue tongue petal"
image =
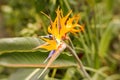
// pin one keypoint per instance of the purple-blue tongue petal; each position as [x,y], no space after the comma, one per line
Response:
[50,54]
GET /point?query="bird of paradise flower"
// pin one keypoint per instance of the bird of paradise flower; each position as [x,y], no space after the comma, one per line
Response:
[58,30]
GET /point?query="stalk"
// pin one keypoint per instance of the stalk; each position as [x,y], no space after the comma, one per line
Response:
[79,62]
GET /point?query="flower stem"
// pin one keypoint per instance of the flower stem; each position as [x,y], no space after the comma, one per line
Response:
[79,62]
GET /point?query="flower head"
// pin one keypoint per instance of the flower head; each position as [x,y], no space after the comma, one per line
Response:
[59,29]
[63,25]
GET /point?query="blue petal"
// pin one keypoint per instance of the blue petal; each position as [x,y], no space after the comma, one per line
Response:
[50,54]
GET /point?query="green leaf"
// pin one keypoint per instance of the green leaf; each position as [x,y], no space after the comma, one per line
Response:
[113,77]
[109,4]
[34,59]
[97,75]
[70,74]
[22,74]
[19,44]
[105,41]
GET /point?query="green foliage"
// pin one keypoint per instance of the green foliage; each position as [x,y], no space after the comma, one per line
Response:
[105,40]
[19,44]
[20,50]
[98,46]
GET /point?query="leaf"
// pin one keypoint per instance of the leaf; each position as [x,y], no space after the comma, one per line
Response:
[97,75]
[70,74]
[105,41]
[109,4]
[21,74]
[18,44]
[113,77]
[34,59]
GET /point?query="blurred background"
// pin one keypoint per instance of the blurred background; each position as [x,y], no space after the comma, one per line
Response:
[99,45]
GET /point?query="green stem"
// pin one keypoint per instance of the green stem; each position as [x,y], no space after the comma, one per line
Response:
[54,72]
[79,62]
